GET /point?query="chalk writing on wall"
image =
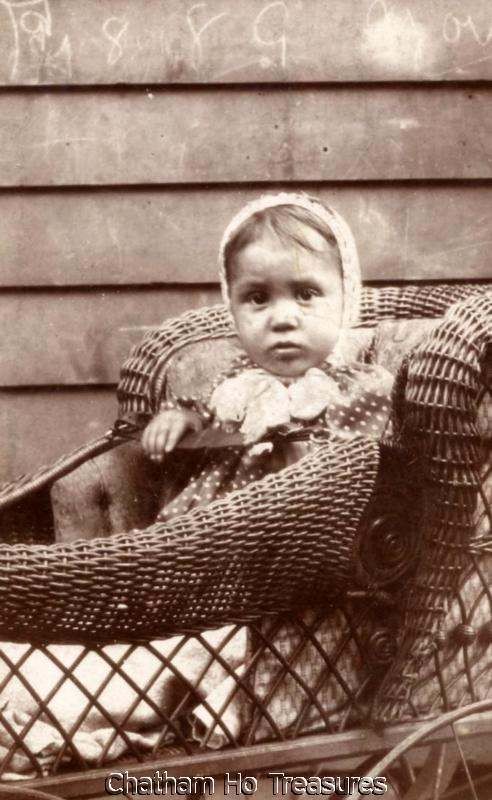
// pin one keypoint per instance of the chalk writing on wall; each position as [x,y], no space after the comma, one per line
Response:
[398,36]
[114,28]
[32,50]
[107,41]
[42,39]
[457,27]
[393,37]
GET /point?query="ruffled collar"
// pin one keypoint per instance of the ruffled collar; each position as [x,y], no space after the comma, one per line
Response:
[257,402]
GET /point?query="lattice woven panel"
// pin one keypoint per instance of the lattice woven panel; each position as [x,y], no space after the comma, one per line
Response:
[67,705]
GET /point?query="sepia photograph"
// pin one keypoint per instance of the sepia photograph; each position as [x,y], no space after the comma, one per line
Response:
[246,399]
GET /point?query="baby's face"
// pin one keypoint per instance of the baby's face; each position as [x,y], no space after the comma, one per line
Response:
[287,302]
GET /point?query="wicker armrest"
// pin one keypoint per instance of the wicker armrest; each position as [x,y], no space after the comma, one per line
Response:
[287,541]
[439,391]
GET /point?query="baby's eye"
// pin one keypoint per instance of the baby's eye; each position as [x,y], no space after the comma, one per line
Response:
[307,293]
[257,298]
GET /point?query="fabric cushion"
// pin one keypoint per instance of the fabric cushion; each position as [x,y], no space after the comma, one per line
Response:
[395,338]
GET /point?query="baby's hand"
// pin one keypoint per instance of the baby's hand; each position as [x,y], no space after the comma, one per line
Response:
[166,429]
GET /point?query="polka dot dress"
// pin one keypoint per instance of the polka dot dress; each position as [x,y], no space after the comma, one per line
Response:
[362,408]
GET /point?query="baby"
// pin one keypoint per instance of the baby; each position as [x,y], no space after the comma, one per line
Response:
[290,276]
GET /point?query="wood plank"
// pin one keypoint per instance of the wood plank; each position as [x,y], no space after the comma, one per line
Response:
[37,427]
[110,41]
[325,749]
[80,337]
[182,136]
[146,236]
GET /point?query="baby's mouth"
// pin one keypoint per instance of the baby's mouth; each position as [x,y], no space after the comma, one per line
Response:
[286,348]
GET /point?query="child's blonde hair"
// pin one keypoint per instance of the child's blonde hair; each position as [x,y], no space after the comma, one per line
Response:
[286,222]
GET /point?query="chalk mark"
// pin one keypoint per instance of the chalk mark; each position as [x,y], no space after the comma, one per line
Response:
[113,235]
[197,47]
[264,62]
[454,36]
[397,33]
[406,236]
[182,155]
[384,11]
[38,34]
[53,59]
[470,246]
[458,68]
[41,29]
[65,140]
[116,51]
[360,160]
[282,39]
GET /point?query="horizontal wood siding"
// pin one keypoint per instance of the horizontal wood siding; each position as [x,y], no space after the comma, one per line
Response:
[80,337]
[404,231]
[38,426]
[245,134]
[122,41]
[131,131]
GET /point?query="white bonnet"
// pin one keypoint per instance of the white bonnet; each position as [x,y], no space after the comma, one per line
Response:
[343,235]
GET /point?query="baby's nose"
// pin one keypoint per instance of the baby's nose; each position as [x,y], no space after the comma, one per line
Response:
[285,315]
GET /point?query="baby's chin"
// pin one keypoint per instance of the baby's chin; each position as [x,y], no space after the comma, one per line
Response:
[290,370]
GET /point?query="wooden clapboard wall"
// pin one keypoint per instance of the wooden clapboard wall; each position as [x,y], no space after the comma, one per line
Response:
[131,130]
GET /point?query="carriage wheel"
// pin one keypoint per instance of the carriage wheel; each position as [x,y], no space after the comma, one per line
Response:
[431,781]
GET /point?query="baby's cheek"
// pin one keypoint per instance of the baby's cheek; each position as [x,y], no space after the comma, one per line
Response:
[326,343]
[324,325]
[334,310]
[245,325]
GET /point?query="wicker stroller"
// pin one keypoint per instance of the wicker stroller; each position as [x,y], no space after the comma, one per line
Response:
[362,573]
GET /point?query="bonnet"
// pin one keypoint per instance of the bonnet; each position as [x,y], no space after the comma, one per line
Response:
[259,400]
[351,279]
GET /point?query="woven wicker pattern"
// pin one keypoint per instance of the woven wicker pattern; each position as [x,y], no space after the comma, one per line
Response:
[462,660]
[303,673]
[442,387]
[169,578]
